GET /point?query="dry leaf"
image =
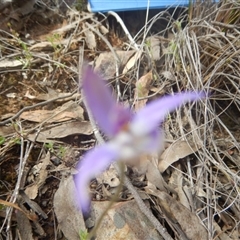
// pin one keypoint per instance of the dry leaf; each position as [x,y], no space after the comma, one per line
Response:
[105,64]
[183,193]
[89,38]
[103,30]
[42,46]
[155,177]
[67,111]
[33,205]
[11,95]
[123,221]
[10,64]
[180,215]
[40,174]
[24,226]
[54,94]
[154,47]
[70,219]
[28,95]
[142,90]
[32,191]
[6,130]
[64,130]
[132,61]
[177,150]
[109,177]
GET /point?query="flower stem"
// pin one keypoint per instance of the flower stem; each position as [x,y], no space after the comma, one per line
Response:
[144,209]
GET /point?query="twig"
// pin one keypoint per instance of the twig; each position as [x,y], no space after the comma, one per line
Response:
[22,163]
[224,25]
[120,21]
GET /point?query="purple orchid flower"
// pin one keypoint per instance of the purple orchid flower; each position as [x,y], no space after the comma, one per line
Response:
[131,134]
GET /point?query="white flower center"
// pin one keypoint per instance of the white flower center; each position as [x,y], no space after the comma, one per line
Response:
[131,144]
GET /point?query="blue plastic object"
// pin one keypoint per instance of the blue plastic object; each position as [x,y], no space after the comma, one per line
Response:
[128,5]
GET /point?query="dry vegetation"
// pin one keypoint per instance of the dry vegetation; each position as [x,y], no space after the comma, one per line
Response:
[43,129]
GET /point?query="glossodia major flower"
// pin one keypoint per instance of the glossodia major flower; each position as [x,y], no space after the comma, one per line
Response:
[131,134]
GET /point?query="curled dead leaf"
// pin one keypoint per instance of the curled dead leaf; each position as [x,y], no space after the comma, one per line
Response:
[177,150]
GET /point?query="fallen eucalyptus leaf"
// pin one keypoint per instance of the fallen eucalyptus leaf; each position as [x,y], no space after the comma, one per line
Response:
[177,150]
[24,226]
[106,63]
[40,175]
[142,90]
[64,130]
[177,214]
[70,219]
[89,38]
[67,111]
[153,44]
[109,177]
[132,61]
[10,64]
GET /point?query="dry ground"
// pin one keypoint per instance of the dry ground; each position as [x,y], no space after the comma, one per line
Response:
[44,127]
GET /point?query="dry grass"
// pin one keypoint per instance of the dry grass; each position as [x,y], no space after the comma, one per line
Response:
[205,55]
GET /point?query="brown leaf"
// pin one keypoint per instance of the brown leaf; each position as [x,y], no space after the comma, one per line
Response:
[33,205]
[89,38]
[155,177]
[41,173]
[132,61]
[70,219]
[123,221]
[24,226]
[66,129]
[109,177]
[142,90]
[106,63]
[10,64]
[6,130]
[177,150]
[67,111]
[32,191]
[154,47]
[179,214]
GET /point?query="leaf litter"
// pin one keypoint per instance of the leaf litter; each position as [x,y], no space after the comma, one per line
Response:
[194,180]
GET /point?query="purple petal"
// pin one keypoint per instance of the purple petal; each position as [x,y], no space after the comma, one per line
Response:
[148,119]
[110,116]
[94,162]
